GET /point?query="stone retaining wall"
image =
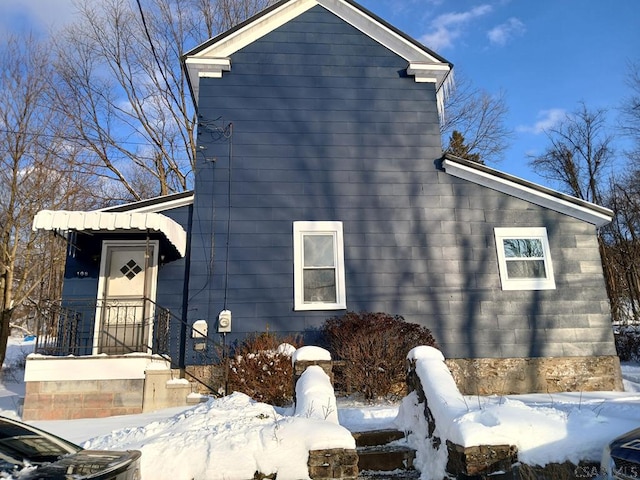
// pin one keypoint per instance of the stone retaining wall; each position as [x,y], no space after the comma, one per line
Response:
[333,463]
[463,462]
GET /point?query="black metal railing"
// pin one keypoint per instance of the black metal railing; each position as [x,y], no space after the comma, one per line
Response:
[123,326]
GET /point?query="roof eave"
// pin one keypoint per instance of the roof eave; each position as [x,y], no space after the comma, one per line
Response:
[528,191]
[154,205]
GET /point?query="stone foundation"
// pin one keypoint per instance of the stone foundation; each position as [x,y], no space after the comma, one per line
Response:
[301,365]
[504,376]
[212,375]
[480,459]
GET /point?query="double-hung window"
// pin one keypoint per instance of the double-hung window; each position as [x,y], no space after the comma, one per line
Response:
[524,259]
[319,280]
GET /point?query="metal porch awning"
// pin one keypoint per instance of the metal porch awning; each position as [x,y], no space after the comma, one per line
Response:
[66,220]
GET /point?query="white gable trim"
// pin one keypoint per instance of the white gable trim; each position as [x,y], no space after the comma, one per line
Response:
[250,32]
[213,60]
[153,205]
[582,210]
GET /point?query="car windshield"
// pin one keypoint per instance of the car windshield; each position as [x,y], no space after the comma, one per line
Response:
[22,444]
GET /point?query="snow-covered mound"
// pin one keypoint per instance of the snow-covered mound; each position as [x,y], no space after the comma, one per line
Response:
[546,429]
[231,437]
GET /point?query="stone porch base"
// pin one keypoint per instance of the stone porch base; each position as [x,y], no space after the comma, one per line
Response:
[63,400]
[63,388]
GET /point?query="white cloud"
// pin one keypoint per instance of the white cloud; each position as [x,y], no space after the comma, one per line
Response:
[547,119]
[501,34]
[35,15]
[449,26]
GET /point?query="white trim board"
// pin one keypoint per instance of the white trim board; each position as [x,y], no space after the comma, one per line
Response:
[585,211]
[211,58]
[152,205]
[41,368]
[333,228]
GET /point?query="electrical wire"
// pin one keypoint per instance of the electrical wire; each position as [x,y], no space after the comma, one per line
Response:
[226,267]
[217,133]
[154,53]
[60,137]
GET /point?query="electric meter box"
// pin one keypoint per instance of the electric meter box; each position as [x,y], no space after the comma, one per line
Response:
[224,321]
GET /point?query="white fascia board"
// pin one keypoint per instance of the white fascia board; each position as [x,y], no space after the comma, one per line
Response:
[159,208]
[379,32]
[422,65]
[595,216]
[251,32]
[197,64]
[420,62]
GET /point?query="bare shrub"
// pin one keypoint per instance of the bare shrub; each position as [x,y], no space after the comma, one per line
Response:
[13,370]
[373,347]
[259,370]
[628,343]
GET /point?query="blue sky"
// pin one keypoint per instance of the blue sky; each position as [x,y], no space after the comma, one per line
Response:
[545,55]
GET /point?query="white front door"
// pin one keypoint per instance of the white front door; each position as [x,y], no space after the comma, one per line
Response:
[124,314]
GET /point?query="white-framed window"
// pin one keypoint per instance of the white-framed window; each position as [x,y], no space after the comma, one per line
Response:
[524,258]
[318,266]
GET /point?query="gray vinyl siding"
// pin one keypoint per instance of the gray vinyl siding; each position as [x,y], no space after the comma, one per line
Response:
[326,126]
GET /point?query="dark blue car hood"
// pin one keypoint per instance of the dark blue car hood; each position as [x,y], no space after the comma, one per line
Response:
[627,446]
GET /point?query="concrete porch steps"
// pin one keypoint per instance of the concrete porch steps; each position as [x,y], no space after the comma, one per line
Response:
[384,454]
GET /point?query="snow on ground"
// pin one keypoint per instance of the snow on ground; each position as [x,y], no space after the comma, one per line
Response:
[234,436]
[230,438]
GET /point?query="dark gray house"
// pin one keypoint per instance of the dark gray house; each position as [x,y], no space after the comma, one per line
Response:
[321,187]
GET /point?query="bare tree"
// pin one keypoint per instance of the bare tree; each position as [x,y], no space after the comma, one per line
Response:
[579,154]
[479,118]
[123,87]
[622,236]
[622,247]
[630,124]
[36,171]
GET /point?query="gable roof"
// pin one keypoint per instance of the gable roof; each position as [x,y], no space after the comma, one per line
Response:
[212,58]
[525,190]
